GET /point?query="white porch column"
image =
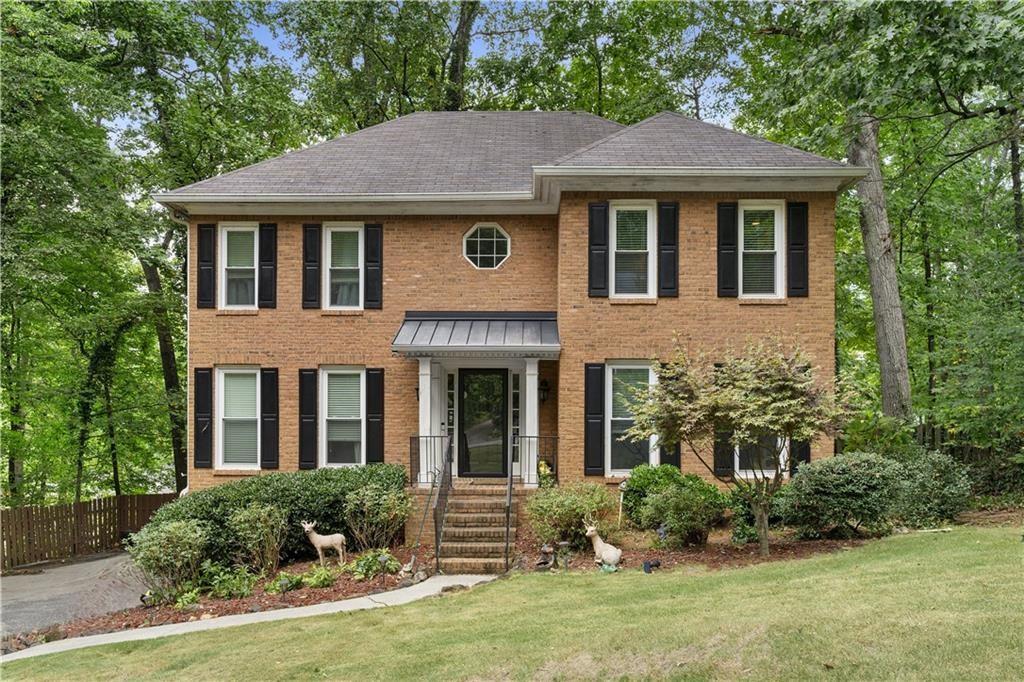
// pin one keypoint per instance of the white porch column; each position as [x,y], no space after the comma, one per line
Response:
[436,398]
[531,426]
[425,430]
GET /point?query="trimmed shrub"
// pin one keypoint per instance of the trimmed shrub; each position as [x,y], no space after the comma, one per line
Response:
[557,513]
[259,530]
[687,510]
[317,495]
[169,557]
[646,480]
[934,488]
[843,494]
[375,515]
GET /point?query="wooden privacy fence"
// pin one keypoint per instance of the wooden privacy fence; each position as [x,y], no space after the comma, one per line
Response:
[53,532]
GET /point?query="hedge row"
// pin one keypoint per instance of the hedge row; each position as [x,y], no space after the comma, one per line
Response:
[317,495]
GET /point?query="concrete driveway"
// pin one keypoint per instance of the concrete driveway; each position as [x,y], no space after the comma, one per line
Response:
[61,593]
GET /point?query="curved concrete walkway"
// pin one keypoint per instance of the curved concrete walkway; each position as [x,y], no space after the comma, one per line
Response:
[428,588]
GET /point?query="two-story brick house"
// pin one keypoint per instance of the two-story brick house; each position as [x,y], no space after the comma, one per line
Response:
[496,280]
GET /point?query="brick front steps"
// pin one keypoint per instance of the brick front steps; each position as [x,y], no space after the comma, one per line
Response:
[474,529]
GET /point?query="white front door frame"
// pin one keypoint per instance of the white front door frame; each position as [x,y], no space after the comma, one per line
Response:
[433,403]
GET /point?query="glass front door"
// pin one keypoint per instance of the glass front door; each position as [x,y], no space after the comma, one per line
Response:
[483,422]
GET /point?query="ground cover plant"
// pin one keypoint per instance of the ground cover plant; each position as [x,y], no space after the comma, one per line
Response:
[919,606]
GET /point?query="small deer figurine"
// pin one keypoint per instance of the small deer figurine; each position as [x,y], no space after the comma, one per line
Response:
[322,542]
[605,554]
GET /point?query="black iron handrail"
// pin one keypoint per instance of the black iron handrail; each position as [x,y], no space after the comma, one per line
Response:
[542,449]
[444,488]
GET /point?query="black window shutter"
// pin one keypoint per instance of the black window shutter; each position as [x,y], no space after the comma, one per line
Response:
[598,258]
[799,453]
[728,251]
[311,235]
[268,419]
[668,249]
[593,428]
[670,455]
[268,266]
[374,415]
[724,453]
[202,410]
[307,419]
[206,294]
[796,249]
[373,270]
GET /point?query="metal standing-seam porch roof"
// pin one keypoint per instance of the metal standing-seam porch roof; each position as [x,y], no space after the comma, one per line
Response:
[478,334]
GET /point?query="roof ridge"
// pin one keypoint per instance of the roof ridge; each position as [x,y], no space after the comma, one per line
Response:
[755,138]
[562,159]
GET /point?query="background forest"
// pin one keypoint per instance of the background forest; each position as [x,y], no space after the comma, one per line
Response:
[104,103]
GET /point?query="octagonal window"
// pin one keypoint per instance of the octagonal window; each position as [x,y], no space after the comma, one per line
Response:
[486,246]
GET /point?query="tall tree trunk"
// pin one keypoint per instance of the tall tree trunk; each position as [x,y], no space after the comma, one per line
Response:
[14,366]
[890,332]
[172,382]
[929,318]
[108,405]
[1018,200]
[455,88]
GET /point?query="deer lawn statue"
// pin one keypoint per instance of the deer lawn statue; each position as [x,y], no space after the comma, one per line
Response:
[604,554]
[322,542]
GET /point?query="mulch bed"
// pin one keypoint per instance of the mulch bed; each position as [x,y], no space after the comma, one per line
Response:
[719,553]
[209,607]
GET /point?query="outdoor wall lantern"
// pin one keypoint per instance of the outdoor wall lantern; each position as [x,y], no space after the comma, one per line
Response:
[542,390]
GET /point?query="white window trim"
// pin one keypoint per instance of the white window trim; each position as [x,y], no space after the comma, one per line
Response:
[654,458]
[778,206]
[325,279]
[755,473]
[465,240]
[218,429]
[222,264]
[652,245]
[322,414]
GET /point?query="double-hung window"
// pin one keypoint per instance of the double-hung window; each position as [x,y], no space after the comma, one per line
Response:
[343,276]
[342,423]
[238,265]
[238,445]
[632,237]
[623,382]
[758,459]
[762,249]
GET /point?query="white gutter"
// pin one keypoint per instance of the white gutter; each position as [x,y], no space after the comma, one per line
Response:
[179,197]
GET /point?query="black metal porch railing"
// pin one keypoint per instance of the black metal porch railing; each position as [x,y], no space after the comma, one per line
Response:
[541,449]
[424,470]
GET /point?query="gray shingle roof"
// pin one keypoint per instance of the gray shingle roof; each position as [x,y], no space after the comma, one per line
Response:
[437,153]
[673,140]
[425,152]
[503,333]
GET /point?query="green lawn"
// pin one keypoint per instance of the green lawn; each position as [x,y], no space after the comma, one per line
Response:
[938,605]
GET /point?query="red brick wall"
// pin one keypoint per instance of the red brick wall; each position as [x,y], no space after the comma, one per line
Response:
[424,270]
[600,329]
